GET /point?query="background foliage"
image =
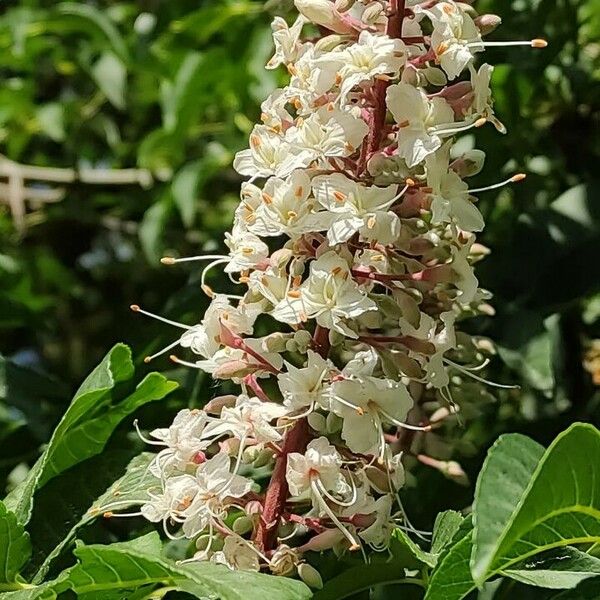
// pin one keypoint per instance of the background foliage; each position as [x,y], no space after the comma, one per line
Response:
[174,88]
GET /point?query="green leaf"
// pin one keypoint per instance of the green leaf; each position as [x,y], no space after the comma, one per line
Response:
[110,74]
[88,423]
[446,526]
[561,569]
[362,578]
[179,99]
[129,565]
[87,438]
[586,590]
[451,579]
[504,477]
[15,547]
[185,189]
[70,512]
[381,570]
[403,548]
[560,505]
[87,17]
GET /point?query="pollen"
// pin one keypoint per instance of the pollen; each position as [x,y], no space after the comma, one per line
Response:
[371,222]
[339,196]
[255,141]
[292,69]
[404,124]
[441,48]
[518,177]
[539,43]
[349,147]
[299,192]
[294,294]
[267,198]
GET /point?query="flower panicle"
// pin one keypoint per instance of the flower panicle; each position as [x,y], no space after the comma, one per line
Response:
[354,179]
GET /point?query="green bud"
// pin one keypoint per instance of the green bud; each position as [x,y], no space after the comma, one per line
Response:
[310,576]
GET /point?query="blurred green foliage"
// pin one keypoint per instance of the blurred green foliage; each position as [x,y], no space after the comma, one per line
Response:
[174,87]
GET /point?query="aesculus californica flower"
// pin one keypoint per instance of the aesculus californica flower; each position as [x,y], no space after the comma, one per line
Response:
[355,234]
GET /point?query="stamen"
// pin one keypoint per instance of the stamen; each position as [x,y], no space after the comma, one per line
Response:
[334,499]
[136,308]
[170,260]
[354,544]
[185,363]
[514,179]
[145,439]
[358,409]
[480,379]
[536,43]
[147,359]
[457,128]
[401,424]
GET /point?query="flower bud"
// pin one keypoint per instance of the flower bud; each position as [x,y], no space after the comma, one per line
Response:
[435,76]
[275,342]
[216,405]
[232,368]
[254,507]
[251,454]
[487,23]
[280,258]
[344,5]
[322,541]
[303,340]
[372,13]
[322,12]
[310,576]
[243,525]
[265,456]
[329,42]
[334,423]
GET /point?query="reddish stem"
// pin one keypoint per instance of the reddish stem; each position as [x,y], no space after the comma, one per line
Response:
[277,492]
[377,120]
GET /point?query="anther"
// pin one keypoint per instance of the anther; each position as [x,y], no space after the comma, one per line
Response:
[168,260]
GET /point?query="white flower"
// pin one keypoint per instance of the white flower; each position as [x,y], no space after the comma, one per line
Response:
[183,441]
[269,154]
[329,295]
[306,386]
[246,250]
[286,41]
[372,56]
[365,404]
[417,117]
[215,484]
[175,498]
[203,339]
[310,80]
[357,208]
[444,339]
[455,37]
[286,208]
[450,195]
[250,418]
[326,133]
[482,95]
[320,461]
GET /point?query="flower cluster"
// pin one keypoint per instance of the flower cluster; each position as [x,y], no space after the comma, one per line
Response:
[356,234]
